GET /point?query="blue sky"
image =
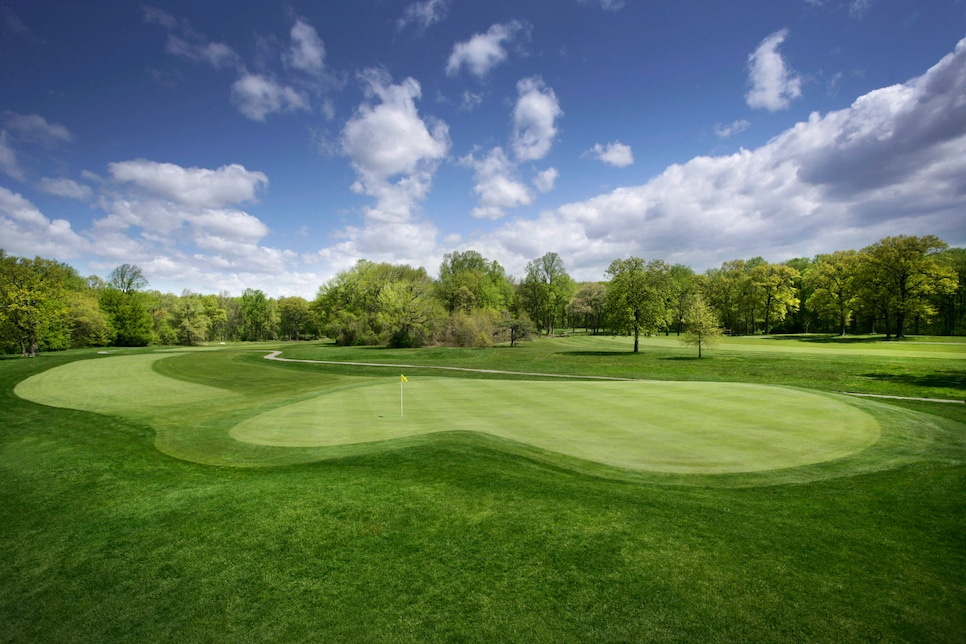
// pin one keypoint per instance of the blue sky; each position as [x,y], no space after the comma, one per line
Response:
[271,147]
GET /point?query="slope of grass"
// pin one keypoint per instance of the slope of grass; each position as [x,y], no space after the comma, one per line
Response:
[460,536]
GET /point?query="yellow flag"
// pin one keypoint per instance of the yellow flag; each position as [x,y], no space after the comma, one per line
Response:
[403,378]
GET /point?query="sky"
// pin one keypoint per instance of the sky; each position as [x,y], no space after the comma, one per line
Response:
[230,145]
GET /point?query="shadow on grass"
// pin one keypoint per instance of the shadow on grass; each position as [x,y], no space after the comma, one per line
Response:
[939,379]
[599,354]
[828,339]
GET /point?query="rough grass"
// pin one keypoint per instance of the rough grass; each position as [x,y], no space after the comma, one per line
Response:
[460,536]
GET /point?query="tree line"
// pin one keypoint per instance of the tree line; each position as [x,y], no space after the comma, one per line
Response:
[899,285]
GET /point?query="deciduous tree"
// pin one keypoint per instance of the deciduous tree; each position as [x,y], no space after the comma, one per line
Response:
[637,296]
[702,328]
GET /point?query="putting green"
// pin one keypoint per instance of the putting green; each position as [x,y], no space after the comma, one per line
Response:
[674,427]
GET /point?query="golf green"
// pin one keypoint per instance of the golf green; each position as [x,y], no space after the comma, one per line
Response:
[673,427]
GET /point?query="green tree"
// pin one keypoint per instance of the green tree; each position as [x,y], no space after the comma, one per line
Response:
[127,278]
[952,305]
[256,314]
[682,292]
[774,290]
[217,317]
[130,318]
[379,303]
[702,328]
[293,315]
[468,281]
[907,271]
[637,296]
[89,325]
[834,288]
[189,320]
[546,289]
[33,311]
[589,304]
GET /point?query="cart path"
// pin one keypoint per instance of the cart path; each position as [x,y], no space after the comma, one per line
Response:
[275,355]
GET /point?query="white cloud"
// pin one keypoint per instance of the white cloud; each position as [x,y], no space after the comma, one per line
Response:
[307,52]
[8,159]
[189,44]
[26,231]
[215,54]
[483,52]
[892,163]
[773,84]
[423,14]
[35,129]
[256,97]
[66,188]
[395,153]
[736,127]
[388,138]
[496,184]
[153,15]
[534,118]
[607,5]
[858,8]
[616,154]
[545,180]
[192,187]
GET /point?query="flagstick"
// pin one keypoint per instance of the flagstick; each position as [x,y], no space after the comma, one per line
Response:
[400,398]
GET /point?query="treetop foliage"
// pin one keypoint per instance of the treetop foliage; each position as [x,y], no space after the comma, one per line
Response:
[897,285]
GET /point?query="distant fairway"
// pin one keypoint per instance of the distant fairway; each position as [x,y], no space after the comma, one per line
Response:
[674,427]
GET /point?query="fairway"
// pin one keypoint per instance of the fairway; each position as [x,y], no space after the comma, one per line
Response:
[673,427]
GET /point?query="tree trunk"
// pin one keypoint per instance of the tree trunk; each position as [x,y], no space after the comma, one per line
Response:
[900,325]
[635,340]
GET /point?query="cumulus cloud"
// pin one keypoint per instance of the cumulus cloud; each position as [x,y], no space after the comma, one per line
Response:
[256,97]
[66,188]
[306,52]
[193,187]
[482,52]
[534,119]
[423,15]
[773,85]
[616,154]
[892,163]
[497,187]
[26,231]
[395,153]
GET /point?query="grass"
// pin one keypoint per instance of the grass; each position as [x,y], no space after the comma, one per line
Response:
[471,537]
[651,426]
